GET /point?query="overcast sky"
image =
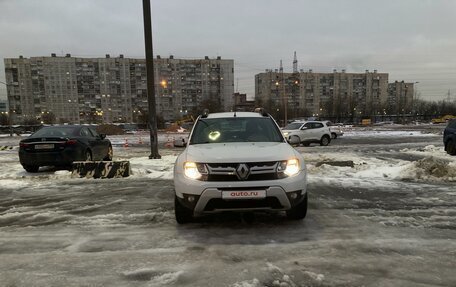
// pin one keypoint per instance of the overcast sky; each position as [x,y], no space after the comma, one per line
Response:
[412,40]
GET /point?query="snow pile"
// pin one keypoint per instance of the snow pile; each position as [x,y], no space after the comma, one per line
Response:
[434,166]
[247,283]
[144,138]
[432,169]
[166,279]
[157,168]
[383,134]
[154,277]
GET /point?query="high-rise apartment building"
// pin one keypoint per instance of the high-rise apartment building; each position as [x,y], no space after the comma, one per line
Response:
[337,95]
[3,107]
[114,89]
[400,98]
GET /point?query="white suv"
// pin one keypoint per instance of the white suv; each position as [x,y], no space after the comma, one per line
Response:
[239,161]
[307,132]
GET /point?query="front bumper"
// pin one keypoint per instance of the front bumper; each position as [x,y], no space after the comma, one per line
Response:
[206,196]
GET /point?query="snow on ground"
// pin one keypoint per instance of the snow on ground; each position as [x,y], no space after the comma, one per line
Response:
[157,168]
[388,221]
[432,163]
[358,133]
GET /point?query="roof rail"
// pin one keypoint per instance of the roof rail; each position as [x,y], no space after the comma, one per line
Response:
[261,111]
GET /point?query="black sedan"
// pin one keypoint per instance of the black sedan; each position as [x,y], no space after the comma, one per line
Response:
[449,138]
[61,145]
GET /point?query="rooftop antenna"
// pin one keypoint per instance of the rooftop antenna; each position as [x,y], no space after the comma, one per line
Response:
[295,63]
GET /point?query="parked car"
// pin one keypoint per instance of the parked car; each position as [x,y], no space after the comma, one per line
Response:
[239,162]
[335,129]
[449,138]
[61,145]
[307,132]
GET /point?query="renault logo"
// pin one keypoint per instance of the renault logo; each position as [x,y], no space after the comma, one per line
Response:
[242,171]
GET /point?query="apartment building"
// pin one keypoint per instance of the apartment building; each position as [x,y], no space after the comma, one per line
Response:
[3,106]
[336,94]
[114,89]
[400,98]
[242,104]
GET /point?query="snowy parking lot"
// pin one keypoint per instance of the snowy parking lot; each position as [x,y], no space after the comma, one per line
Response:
[388,220]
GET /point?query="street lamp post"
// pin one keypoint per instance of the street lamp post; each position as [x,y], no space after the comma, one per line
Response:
[150,80]
[414,98]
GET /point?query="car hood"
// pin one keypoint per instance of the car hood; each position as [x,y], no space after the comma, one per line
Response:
[239,152]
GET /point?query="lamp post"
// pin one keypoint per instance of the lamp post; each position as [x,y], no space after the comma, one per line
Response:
[150,80]
[414,98]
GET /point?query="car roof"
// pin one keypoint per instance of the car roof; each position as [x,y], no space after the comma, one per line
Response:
[232,115]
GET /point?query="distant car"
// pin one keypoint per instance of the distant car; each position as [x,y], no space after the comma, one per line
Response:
[335,129]
[308,132]
[449,138]
[61,145]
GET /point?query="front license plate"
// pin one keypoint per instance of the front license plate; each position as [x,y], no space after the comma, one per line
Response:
[44,146]
[243,194]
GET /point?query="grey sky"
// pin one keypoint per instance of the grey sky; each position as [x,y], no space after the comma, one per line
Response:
[412,40]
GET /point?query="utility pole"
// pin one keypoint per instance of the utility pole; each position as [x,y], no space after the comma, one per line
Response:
[150,80]
[285,102]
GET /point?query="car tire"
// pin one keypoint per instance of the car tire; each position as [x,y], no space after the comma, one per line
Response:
[299,211]
[88,156]
[108,156]
[31,168]
[182,213]
[325,140]
[299,140]
[333,136]
[451,147]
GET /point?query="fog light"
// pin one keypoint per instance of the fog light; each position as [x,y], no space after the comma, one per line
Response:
[191,198]
[294,195]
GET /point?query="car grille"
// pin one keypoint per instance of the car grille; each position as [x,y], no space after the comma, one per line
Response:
[242,171]
[218,203]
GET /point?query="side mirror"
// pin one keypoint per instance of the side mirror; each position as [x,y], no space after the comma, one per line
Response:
[293,140]
[102,136]
[304,128]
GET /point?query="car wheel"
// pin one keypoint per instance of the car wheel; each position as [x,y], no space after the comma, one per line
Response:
[88,156]
[299,211]
[182,213]
[298,140]
[451,147]
[109,155]
[31,168]
[325,140]
[333,136]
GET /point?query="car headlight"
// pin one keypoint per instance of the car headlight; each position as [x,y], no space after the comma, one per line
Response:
[292,167]
[194,170]
[289,167]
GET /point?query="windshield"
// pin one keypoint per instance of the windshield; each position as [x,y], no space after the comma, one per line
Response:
[293,126]
[55,132]
[223,130]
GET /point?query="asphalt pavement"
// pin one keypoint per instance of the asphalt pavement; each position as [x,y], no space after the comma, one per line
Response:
[119,232]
